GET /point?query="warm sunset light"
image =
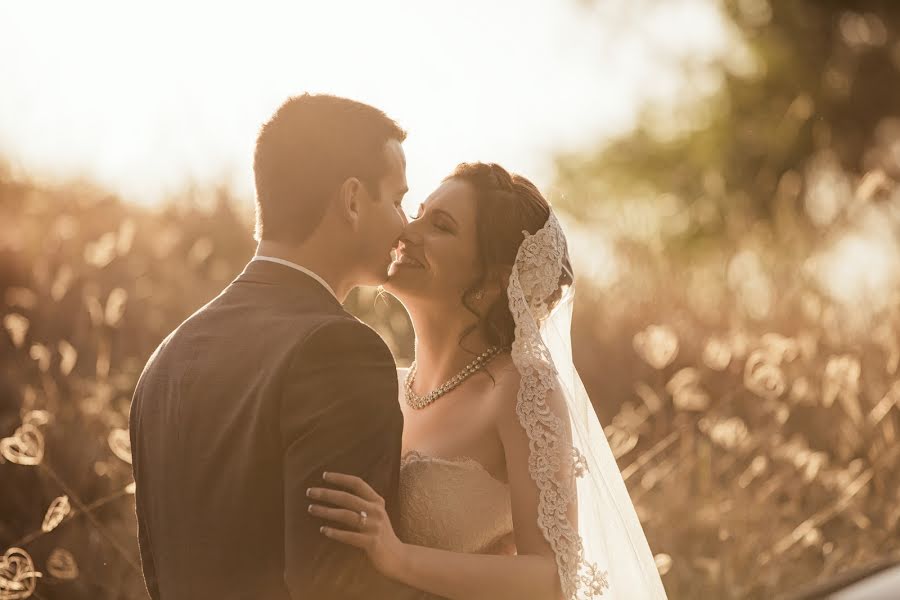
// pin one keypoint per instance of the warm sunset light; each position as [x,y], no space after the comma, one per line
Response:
[415,300]
[146,100]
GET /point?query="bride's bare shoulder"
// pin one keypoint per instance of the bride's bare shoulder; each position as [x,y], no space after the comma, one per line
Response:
[504,392]
[506,378]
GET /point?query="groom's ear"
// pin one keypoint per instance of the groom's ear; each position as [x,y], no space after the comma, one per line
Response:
[349,197]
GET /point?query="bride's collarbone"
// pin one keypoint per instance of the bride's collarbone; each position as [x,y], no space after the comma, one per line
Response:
[470,412]
[482,393]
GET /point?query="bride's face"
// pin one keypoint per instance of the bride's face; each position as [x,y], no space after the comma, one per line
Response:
[437,259]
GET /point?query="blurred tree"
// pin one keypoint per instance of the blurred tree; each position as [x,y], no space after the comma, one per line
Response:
[808,85]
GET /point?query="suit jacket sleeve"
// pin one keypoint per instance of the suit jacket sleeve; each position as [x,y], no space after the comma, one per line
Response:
[339,413]
[148,566]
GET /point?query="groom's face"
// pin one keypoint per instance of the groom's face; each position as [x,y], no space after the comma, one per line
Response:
[383,219]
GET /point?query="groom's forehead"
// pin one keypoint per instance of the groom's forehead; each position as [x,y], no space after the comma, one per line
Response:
[396,158]
[396,162]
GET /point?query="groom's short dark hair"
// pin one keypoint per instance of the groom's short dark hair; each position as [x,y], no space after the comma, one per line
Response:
[309,147]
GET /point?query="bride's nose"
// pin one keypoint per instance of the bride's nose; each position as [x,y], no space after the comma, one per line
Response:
[411,234]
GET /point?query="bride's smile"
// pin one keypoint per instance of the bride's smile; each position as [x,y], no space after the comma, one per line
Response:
[405,259]
[437,258]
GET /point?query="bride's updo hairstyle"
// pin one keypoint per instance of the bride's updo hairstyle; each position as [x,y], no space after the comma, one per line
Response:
[505,205]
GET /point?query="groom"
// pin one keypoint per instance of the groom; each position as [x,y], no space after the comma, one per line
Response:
[247,402]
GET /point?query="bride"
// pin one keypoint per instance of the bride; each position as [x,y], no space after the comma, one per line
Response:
[508,488]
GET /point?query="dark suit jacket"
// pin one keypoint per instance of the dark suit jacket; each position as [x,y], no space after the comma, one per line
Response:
[236,414]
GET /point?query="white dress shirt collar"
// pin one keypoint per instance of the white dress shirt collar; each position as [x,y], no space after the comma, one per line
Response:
[294,265]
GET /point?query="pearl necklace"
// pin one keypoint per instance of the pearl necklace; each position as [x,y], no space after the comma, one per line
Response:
[419,402]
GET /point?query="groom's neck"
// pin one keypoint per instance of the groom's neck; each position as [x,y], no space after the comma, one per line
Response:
[322,261]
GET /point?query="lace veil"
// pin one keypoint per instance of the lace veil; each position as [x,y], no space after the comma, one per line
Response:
[584,512]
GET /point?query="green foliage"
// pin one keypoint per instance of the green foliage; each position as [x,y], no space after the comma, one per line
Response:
[804,77]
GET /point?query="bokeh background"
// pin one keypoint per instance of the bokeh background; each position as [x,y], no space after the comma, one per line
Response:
[726,170]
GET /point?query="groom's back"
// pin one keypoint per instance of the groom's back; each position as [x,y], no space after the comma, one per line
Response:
[208,439]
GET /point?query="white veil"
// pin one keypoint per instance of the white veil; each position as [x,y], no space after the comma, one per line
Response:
[584,512]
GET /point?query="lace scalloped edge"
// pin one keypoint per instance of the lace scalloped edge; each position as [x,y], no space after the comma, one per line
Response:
[579,580]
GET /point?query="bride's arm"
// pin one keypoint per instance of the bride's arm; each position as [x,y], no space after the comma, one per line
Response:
[532,573]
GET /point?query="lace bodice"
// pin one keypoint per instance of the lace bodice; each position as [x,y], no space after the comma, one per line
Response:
[453,504]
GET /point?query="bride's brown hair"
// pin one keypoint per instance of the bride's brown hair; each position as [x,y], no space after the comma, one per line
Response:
[506,205]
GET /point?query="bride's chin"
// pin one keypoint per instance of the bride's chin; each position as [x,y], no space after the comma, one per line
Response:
[402,290]
[393,286]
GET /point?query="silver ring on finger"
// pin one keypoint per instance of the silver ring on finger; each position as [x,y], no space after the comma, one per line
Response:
[363,517]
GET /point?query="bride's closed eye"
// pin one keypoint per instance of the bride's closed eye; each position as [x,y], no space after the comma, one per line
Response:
[441,226]
[440,219]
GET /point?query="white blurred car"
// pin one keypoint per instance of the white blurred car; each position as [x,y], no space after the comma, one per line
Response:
[876,582]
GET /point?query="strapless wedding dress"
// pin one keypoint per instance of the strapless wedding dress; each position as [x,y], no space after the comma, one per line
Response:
[453,504]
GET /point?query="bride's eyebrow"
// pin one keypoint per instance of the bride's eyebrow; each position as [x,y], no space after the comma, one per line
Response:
[441,211]
[436,211]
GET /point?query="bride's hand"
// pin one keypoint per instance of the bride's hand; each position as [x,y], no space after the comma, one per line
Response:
[373,533]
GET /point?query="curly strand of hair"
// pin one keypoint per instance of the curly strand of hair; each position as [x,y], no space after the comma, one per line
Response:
[499,195]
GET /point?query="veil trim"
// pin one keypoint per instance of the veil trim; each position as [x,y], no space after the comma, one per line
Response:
[534,279]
